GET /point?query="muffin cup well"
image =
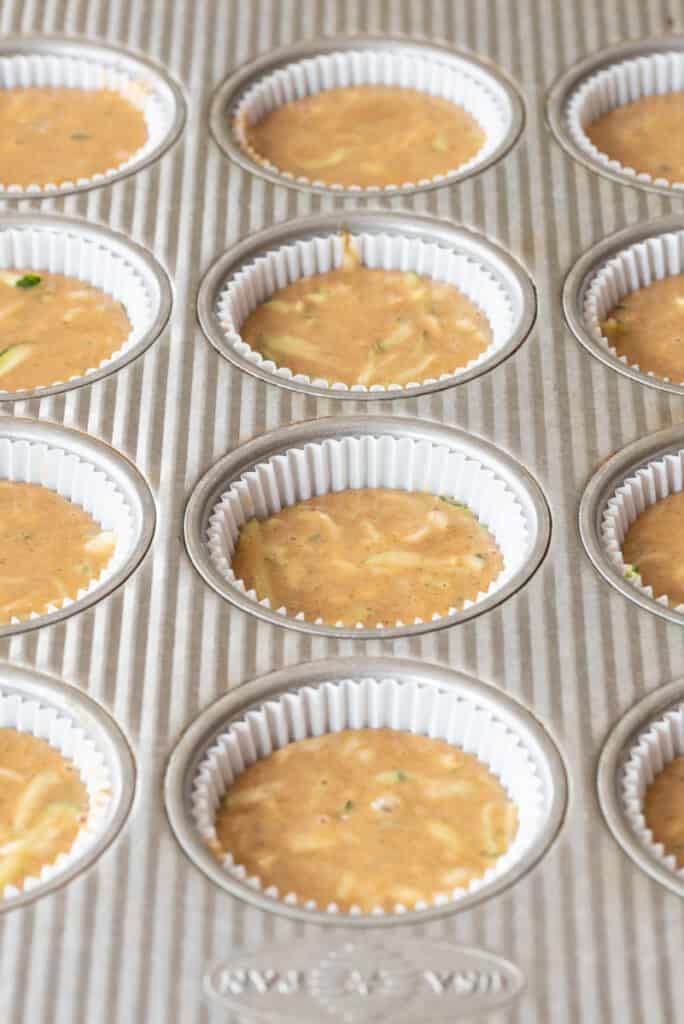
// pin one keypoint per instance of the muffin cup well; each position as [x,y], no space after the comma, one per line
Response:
[59,61]
[369,703]
[98,257]
[308,68]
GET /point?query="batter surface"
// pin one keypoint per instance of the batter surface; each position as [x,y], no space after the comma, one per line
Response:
[49,548]
[647,327]
[43,804]
[664,809]
[367,135]
[53,135]
[54,327]
[654,547]
[372,555]
[372,817]
[646,135]
[363,326]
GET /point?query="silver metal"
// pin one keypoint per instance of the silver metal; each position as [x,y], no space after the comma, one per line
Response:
[127,60]
[603,484]
[194,743]
[230,91]
[228,469]
[129,481]
[111,743]
[155,277]
[500,265]
[579,279]
[566,84]
[610,769]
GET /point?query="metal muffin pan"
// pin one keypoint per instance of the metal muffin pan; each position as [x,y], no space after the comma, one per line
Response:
[193,745]
[601,487]
[233,466]
[110,742]
[503,268]
[142,265]
[566,86]
[579,280]
[139,67]
[230,92]
[123,478]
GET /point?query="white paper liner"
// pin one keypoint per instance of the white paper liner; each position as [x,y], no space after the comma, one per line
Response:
[655,747]
[79,481]
[274,270]
[371,703]
[91,74]
[86,259]
[367,461]
[615,86]
[650,484]
[46,723]
[467,85]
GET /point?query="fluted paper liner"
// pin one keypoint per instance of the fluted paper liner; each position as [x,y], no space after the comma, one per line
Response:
[463,83]
[634,268]
[95,262]
[653,482]
[655,747]
[76,480]
[615,86]
[89,73]
[66,736]
[367,461]
[257,281]
[371,703]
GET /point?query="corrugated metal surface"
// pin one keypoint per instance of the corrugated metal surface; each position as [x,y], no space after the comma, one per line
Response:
[131,940]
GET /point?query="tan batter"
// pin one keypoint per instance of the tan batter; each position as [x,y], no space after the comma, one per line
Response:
[362,326]
[53,135]
[43,804]
[367,135]
[664,809]
[49,548]
[647,328]
[647,135]
[654,547]
[54,327]
[372,555]
[372,817]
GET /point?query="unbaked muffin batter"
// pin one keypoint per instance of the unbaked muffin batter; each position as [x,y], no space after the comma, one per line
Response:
[654,547]
[664,809]
[646,135]
[54,327]
[49,548]
[53,135]
[372,555]
[43,804]
[359,325]
[647,328]
[366,817]
[367,135]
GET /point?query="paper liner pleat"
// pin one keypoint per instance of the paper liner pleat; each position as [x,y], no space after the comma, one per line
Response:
[359,462]
[371,703]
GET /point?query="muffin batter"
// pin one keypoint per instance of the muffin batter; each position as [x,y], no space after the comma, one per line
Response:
[646,135]
[43,804]
[54,327]
[654,547]
[371,555]
[366,135]
[647,328]
[664,809]
[366,817]
[53,135]
[49,548]
[362,326]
